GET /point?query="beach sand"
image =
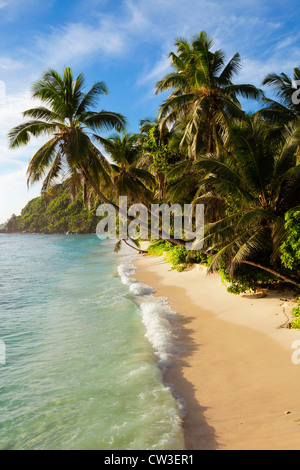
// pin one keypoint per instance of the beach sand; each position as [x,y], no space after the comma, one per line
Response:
[235,370]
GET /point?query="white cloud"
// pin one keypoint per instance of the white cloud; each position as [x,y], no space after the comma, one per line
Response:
[76,41]
[131,29]
[7,63]
[10,116]
[255,70]
[157,72]
[137,20]
[14,193]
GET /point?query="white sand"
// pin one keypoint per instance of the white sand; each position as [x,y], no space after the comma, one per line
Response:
[236,372]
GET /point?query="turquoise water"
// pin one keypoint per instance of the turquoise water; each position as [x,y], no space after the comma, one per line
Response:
[81,368]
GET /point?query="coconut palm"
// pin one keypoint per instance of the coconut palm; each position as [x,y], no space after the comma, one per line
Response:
[68,117]
[204,99]
[286,109]
[128,179]
[259,185]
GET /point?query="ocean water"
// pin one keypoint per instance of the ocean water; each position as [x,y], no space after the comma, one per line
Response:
[85,346]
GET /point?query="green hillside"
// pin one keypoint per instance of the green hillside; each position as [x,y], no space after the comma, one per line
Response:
[55,213]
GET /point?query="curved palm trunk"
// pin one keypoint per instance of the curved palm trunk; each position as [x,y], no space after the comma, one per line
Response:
[133,247]
[276,273]
[87,175]
[96,189]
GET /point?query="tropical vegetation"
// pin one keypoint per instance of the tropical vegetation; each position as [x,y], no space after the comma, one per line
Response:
[55,213]
[202,147]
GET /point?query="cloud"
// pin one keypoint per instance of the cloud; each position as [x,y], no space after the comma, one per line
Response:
[11,113]
[236,26]
[75,42]
[141,33]
[161,67]
[13,162]
[14,193]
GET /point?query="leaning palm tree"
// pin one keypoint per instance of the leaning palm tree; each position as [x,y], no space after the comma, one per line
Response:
[67,116]
[259,185]
[204,99]
[136,183]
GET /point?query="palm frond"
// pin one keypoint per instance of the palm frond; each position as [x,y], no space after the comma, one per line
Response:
[20,135]
[105,121]
[41,161]
[118,246]
[90,99]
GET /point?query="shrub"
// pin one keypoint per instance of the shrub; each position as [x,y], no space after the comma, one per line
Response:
[244,279]
[176,255]
[296,313]
[199,258]
[290,248]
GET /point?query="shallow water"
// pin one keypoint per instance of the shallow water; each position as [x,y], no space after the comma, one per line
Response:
[84,349]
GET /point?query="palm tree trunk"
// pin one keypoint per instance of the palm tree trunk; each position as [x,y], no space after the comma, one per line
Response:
[276,273]
[211,142]
[88,177]
[161,178]
[96,189]
[134,247]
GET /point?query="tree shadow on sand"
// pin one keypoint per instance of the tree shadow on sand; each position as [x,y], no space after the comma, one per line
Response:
[198,434]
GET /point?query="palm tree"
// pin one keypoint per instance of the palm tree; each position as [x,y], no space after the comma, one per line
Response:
[259,185]
[204,98]
[128,179]
[67,115]
[286,109]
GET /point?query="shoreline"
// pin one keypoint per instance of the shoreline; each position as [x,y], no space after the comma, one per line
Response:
[235,371]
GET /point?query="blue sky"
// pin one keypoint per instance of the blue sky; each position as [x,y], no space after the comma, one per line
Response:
[126,44]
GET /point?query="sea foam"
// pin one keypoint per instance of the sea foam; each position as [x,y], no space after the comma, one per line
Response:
[156,313]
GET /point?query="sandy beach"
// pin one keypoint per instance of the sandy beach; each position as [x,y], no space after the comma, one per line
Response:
[235,371]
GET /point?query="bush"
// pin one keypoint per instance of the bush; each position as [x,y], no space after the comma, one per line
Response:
[296,313]
[244,279]
[199,258]
[176,255]
[290,248]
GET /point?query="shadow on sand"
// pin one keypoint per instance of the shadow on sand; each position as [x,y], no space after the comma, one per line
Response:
[195,427]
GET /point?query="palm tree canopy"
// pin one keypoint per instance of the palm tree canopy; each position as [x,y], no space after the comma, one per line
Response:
[204,97]
[286,109]
[259,185]
[128,179]
[68,116]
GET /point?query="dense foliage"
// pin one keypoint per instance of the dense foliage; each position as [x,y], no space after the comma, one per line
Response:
[176,255]
[295,324]
[55,213]
[202,148]
[290,248]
